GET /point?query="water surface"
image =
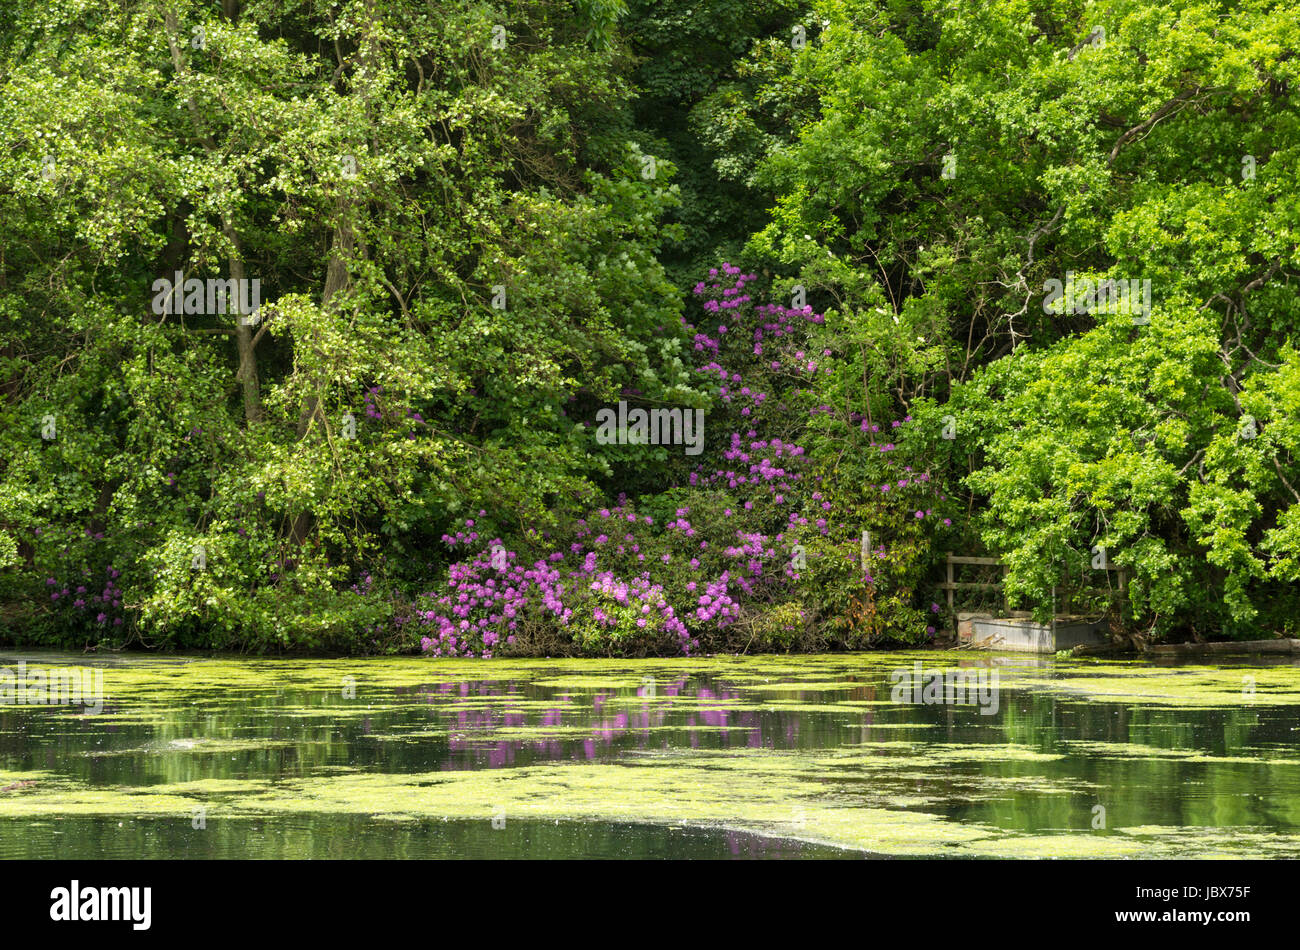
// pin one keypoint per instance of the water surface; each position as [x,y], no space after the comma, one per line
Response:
[708,757]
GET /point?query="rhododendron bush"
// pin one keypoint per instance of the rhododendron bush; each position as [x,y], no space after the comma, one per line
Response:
[764,545]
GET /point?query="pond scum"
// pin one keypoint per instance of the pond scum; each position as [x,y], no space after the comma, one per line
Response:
[1187,761]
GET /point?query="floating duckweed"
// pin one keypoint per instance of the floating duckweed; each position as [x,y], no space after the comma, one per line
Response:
[810,748]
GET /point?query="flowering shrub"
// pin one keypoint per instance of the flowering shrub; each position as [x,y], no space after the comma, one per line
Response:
[81,605]
[490,606]
[75,596]
[761,546]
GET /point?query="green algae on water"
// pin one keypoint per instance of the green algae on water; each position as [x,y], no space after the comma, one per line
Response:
[810,748]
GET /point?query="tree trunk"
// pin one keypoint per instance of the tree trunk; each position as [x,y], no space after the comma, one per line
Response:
[247,373]
[336,278]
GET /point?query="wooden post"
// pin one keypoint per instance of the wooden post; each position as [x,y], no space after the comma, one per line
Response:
[950,583]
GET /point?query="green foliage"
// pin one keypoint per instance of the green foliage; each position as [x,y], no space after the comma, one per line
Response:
[473,225]
[961,158]
[388,174]
[700,68]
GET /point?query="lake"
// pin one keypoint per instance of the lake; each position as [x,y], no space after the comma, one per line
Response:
[844,756]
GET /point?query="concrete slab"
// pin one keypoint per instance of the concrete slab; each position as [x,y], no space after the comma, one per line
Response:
[1025,636]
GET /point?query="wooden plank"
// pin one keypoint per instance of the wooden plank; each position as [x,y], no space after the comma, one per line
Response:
[958,559]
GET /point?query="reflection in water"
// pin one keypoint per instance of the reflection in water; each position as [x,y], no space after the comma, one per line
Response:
[350,837]
[742,757]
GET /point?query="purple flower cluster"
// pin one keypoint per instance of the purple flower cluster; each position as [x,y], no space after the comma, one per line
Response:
[492,594]
[719,559]
[107,604]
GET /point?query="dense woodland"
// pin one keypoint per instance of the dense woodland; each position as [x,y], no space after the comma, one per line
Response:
[1006,278]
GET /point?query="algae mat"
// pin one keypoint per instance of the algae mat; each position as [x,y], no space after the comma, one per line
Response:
[1061,758]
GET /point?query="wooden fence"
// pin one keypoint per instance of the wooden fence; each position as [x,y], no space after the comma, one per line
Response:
[950,585]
